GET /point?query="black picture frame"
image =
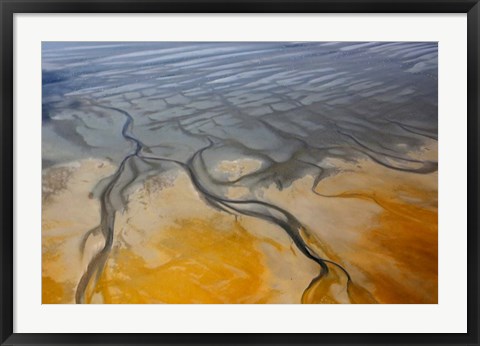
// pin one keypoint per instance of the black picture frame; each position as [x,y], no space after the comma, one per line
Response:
[10,7]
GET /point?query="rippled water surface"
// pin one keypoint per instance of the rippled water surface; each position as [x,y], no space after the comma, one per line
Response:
[239,172]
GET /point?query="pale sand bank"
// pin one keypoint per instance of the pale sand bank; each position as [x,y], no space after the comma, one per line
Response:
[235,169]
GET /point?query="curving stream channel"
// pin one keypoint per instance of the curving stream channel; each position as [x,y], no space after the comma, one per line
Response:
[332,144]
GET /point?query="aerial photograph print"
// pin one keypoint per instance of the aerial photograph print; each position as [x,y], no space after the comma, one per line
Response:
[239,172]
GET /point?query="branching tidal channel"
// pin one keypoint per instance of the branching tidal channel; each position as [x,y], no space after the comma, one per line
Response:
[292,111]
[259,209]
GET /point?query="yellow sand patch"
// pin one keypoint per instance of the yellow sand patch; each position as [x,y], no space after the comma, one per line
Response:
[53,266]
[171,247]
[396,255]
[207,265]
[52,291]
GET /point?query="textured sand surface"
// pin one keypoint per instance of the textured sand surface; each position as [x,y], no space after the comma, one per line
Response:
[240,172]
[172,247]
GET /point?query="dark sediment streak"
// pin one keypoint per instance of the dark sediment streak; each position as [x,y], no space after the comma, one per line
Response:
[285,220]
[107,215]
[290,106]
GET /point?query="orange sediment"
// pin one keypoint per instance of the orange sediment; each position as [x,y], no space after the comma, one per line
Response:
[397,251]
[206,265]
[171,247]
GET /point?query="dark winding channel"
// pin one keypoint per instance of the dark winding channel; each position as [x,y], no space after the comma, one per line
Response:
[291,106]
[259,209]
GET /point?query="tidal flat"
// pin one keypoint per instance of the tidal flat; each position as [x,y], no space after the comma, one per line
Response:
[230,173]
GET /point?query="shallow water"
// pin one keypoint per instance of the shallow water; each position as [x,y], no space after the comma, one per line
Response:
[248,124]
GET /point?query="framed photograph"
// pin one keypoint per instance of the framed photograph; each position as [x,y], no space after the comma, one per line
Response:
[246,172]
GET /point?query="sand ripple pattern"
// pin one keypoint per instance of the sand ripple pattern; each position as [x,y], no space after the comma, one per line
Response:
[149,107]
